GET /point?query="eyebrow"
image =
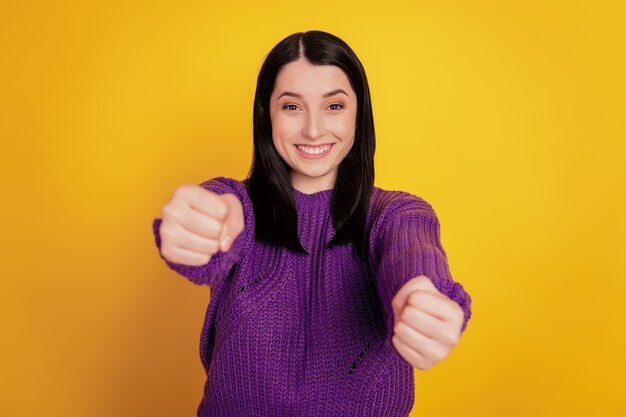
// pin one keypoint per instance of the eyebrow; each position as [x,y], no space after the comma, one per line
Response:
[329,94]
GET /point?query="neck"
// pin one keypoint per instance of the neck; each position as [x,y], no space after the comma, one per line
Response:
[309,185]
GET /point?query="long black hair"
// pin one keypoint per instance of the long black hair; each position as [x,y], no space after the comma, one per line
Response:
[269,182]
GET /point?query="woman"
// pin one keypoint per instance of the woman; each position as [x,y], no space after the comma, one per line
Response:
[326,290]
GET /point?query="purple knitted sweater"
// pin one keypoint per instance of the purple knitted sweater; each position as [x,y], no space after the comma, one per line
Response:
[288,334]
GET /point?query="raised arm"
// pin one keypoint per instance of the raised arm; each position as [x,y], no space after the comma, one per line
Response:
[404,244]
[220,262]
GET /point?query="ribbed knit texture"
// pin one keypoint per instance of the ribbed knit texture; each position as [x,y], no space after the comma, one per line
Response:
[310,335]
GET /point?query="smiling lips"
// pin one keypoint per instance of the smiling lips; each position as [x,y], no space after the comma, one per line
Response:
[314,151]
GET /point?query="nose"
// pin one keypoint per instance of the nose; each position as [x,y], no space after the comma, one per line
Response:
[314,125]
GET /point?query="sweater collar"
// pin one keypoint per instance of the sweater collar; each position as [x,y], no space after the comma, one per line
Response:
[315,199]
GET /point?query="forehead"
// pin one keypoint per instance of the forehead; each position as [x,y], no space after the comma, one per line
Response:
[307,79]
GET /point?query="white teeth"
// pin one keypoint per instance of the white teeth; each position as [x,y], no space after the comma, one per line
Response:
[314,151]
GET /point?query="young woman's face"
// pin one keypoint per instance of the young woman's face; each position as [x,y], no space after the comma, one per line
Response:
[313,112]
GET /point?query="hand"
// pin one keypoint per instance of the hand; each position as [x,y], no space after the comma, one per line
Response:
[196,223]
[427,323]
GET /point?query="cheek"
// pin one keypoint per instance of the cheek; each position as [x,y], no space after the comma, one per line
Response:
[344,127]
[279,137]
[285,128]
[280,147]
[349,145]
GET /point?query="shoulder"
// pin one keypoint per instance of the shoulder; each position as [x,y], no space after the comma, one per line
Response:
[404,211]
[387,206]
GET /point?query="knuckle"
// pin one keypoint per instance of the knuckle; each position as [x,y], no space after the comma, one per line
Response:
[167,254]
[460,314]
[186,191]
[212,246]
[237,224]
[406,315]
[431,353]
[422,365]
[181,190]
[167,211]
[395,303]
[421,278]
[222,201]
[416,297]
[438,355]
[194,262]
[166,234]
[397,328]
[422,298]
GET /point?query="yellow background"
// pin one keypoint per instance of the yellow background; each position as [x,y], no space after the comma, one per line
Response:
[508,117]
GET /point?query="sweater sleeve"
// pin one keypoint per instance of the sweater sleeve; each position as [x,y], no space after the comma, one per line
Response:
[405,244]
[221,262]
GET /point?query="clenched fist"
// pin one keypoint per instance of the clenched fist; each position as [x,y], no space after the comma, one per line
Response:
[427,323]
[196,223]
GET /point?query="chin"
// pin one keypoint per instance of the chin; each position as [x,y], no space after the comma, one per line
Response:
[312,175]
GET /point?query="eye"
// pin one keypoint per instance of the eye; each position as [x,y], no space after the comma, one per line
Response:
[338,106]
[290,107]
